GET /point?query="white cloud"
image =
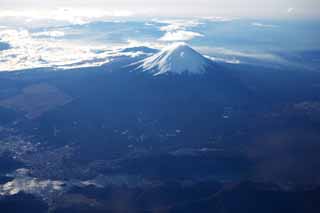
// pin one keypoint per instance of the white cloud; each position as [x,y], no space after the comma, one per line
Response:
[49,34]
[218,18]
[224,60]
[181,35]
[290,10]
[177,24]
[31,186]
[172,27]
[49,49]
[137,43]
[257,24]
[28,51]
[178,29]
[235,54]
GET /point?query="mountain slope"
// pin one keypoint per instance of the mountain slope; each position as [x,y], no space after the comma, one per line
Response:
[177,58]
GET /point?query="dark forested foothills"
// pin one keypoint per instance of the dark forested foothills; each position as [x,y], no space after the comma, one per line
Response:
[104,110]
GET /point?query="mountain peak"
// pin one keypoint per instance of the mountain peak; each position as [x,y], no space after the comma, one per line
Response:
[177,58]
[178,46]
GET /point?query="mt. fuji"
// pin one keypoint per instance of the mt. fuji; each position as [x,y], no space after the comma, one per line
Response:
[177,58]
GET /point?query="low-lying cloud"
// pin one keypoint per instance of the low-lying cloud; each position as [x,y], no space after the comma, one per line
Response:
[29,50]
[23,50]
[258,24]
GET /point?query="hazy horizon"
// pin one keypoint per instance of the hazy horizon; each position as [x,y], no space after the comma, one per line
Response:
[187,8]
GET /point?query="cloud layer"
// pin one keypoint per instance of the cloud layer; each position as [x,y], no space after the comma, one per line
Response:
[29,50]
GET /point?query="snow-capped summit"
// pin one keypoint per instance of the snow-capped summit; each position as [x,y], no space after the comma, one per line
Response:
[176,58]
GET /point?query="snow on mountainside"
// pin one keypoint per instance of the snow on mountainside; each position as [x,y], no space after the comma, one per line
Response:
[177,58]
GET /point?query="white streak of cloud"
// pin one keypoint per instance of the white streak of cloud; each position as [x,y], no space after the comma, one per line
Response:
[177,24]
[223,52]
[49,34]
[257,24]
[218,18]
[224,60]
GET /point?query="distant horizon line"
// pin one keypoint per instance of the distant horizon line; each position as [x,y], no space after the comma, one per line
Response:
[95,13]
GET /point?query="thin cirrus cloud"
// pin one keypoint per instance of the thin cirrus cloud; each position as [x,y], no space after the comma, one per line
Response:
[258,24]
[236,54]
